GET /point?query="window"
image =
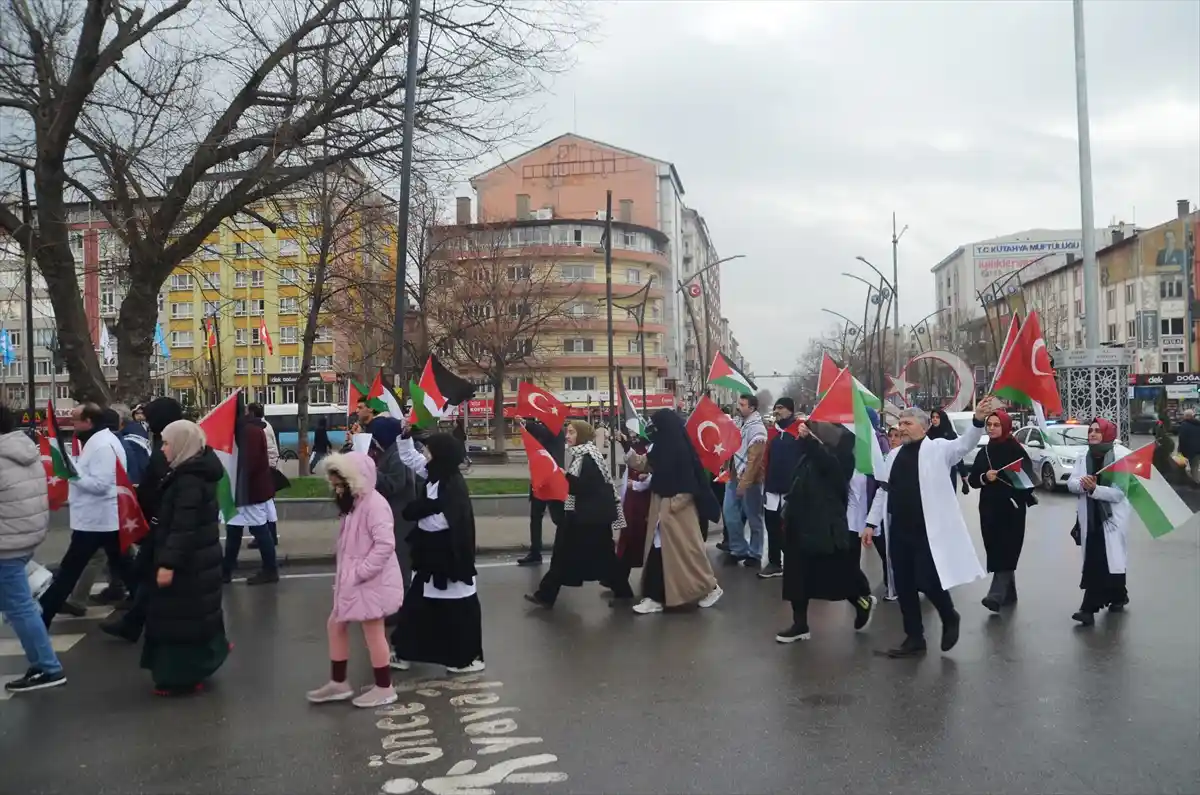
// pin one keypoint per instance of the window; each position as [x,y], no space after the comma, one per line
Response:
[42,366]
[629,239]
[260,365]
[209,252]
[1112,332]
[181,281]
[287,335]
[1170,288]
[288,216]
[241,365]
[580,310]
[1130,329]
[1079,307]
[289,364]
[63,392]
[514,384]
[324,334]
[240,336]
[16,394]
[522,206]
[1172,325]
[1078,339]
[14,340]
[162,302]
[179,311]
[577,237]
[322,362]
[43,337]
[1130,292]
[289,394]
[520,273]
[633,276]
[634,346]
[181,339]
[255,306]
[1172,363]
[289,276]
[579,383]
[578,273]
[289,247]
[243,249]
[289,306]
[108,300]
[656,311]
[634,382]
[43,393]
[244,279]
[579,345]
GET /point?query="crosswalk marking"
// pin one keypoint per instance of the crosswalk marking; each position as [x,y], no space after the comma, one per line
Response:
[11,647]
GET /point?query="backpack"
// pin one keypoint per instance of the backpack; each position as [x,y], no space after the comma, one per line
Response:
[137,457]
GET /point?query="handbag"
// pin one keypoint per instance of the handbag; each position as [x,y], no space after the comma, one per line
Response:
[1077,536]
[280,480]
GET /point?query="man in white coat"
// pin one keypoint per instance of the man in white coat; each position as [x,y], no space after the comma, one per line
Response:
[928,547]
[93,505]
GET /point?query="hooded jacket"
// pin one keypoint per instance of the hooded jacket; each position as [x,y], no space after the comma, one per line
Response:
[24,508]
[1189,438]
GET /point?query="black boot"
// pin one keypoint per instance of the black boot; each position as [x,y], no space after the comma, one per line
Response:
[911,647]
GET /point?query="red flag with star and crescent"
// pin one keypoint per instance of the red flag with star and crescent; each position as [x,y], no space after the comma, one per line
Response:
[57,489]
[714,435]
[1025,375]
[546,477]
[131,521]
[539,404]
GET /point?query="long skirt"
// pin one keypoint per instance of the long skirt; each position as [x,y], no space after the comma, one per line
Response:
[631,544]
[831,578]
[181,666]
[441,631]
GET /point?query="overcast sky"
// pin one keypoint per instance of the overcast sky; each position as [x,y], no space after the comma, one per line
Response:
[799,127]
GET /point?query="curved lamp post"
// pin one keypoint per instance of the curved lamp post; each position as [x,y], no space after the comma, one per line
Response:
[679,288]
[851,328]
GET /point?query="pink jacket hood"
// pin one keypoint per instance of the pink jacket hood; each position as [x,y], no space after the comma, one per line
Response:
[357,469]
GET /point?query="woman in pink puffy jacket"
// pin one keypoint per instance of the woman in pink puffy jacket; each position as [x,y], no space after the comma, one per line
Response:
[368,585]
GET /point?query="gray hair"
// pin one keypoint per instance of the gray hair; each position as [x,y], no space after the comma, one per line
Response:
[124,412]
[916,414]
[1189,413]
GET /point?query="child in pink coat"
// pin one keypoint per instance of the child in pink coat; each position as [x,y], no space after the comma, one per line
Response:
[368,585]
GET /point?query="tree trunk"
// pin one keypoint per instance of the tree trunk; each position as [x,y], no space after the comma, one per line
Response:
[500,435]
[135,339]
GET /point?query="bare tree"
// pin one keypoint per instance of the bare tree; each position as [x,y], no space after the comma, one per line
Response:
[168,129]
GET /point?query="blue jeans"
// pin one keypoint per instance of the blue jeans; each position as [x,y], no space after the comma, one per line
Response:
[233,545]
[18,606]
[740,511]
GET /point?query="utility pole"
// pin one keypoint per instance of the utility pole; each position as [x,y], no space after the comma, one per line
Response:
[27,220]
[608,302]
[1091,275]
[896,291]
[410,99]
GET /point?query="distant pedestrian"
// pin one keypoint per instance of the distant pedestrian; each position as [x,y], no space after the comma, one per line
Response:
[744,492]
[321,445]
[780,457]
[367,585]
[556,446]
[24,521]
[185,627]
[1189,442]
[440,621]
[940,427]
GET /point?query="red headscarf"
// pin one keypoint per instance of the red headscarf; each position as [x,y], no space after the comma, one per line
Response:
[1108,429]
[1006,424]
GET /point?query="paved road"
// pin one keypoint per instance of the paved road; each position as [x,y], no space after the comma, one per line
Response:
[596,700]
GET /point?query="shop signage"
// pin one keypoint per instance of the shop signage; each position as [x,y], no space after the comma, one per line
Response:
[289,379]
[1171,343]
[1165,379]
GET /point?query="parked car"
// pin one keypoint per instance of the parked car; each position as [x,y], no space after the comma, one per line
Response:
[961,420]
[1053,451]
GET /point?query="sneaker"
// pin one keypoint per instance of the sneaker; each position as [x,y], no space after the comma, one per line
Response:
[647,606]
[793,633]
[264,577]
[330,691]
[911,647]
[474,668]
[109,596]
[891,597]
[950,632]
[712,597]
[723,546]
[35,679]
[532,559]
[752,563]
[771,570]
[119,629]
[72,609]
[1085,619]
[396,664]
[864,611]
[991,603]
[376,697]
[539,601]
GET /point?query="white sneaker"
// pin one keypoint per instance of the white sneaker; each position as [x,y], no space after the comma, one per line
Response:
[330,691]
[396,664]
[376,697]
[473,668]
[712,598]
[647,606]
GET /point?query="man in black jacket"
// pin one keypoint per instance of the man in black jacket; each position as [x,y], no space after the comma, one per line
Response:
[782,455]
[556,446]
[1189,442]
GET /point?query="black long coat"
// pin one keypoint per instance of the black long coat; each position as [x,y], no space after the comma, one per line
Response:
[821,553]
[187,541]
[1001,507]
[583,546]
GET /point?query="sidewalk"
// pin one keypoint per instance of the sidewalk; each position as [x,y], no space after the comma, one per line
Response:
[313,541]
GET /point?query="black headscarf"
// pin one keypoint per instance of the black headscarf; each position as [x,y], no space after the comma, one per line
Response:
[447,455]
[454,500]
[944,430]
[675,467]
[161,412]
[384,431]
[840,443]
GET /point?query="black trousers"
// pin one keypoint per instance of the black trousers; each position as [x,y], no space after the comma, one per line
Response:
[618,581]
[79,552]
[537,510]
[1111,591]
[774,522]
[654,586]
[880,544]
[914,572]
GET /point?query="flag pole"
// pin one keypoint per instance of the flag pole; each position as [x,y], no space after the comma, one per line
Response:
[608,298]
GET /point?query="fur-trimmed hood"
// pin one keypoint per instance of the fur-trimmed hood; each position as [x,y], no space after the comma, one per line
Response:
[357,469]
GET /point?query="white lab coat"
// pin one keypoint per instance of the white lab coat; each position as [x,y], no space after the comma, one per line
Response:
[93,495]
[856,504]
[1116,529]
[950,542]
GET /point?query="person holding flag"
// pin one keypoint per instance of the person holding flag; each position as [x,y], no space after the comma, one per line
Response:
[555,443]
[779,462]
[1102,523]
[1001,473]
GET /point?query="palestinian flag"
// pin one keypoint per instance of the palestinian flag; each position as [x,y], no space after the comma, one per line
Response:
[1153,499]
[354,393]
[845,404]
[829,371]
[437,389]
[219,429]
[420,416]
[63,466]
[57,490]
[1016,476]
[380,398]
[631,418]
[725,373]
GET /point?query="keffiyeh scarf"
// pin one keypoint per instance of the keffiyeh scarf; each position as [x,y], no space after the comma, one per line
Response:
[575,468]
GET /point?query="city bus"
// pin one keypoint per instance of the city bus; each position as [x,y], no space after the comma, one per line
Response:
[283,418]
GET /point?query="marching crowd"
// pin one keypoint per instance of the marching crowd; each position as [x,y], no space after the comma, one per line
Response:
[406,539]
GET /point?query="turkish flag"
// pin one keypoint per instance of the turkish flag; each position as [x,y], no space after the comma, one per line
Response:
[539,404]
[1025,373]
[56,486]
[548,479]
[713,434]
[131,522]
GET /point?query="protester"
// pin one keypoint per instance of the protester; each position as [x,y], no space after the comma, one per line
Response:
[1189,442]
[555,445]
[940,427]
[744,492]
[92,499]
[1103,508]
[823,559]
[258,418]
[185,627]
[676,570]
[397,483]
[440,621]
[886,442]
[24,522]
[1001,508]
[583,545]
[779,461]
[367,586]
[635,507]
[254,492]
[321,446]
[922,513]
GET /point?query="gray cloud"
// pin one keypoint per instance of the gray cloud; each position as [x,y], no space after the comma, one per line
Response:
[798,128]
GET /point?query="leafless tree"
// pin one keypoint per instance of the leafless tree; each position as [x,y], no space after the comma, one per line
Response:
[168,128]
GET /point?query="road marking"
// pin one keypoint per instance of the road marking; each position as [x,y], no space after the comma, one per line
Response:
[11,647]
[314,575]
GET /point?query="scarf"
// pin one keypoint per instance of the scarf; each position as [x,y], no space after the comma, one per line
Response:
[753,431]
[186,440]
[575,468]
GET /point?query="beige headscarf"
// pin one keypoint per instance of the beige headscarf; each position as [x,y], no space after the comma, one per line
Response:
[186,440]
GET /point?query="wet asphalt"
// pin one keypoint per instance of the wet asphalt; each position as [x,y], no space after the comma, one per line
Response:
[586,699]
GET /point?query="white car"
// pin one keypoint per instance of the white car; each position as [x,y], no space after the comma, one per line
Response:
[961,420]
[1053,451]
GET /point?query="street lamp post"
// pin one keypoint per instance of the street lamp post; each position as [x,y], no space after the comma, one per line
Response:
[849,324]
[707,328]
[1091,276]
[876,295]
[638,313]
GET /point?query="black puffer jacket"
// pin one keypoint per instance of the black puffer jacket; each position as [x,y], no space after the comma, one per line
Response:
[187,541]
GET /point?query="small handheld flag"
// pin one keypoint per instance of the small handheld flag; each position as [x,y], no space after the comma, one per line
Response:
[1152,498]
[1014,474]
